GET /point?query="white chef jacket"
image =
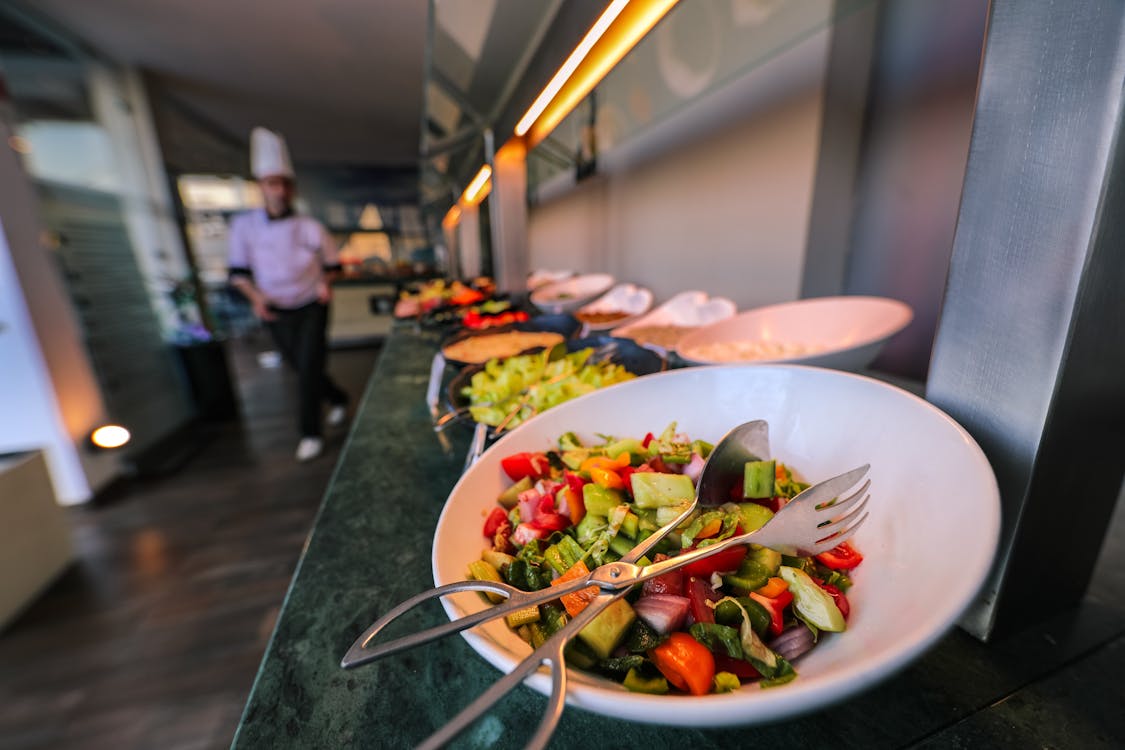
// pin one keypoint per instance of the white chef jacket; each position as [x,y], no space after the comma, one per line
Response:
[285,257]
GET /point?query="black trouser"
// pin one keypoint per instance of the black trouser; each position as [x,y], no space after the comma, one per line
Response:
[300,335]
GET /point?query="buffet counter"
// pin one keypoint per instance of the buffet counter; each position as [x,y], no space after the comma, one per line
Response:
[1053,685]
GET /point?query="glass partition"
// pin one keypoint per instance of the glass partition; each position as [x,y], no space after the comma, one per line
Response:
[700,47]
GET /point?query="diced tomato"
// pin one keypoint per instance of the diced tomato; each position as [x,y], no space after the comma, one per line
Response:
[520,465]
[740,668]
[575,482]
[671,582]
[551,522]
[546,504]
[525,532]
[687,663]
[492,523]
[649,437]
[656,463]
[838,595]
[841,557]
[728,559]
[699,591]
[776,607]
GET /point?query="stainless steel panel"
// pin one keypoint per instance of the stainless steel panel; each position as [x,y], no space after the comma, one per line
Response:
[1030,349]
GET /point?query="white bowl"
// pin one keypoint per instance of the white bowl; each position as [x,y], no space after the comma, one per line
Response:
[543,276]
[823,422]
[845,333]
[686,310]
[570,294]
[630,299]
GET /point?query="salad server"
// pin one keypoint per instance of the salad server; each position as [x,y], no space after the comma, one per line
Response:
[809,524]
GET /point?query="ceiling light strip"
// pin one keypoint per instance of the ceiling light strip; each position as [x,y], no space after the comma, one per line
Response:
[478,189]
[568,67]
[629,27]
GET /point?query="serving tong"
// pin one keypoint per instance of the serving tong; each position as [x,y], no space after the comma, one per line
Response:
[812,522]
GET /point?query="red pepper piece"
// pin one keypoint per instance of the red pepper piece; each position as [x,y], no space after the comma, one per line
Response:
[776,607]
[841,557]
[741,669]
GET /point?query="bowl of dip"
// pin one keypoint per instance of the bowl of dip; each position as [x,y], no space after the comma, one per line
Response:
[843,333]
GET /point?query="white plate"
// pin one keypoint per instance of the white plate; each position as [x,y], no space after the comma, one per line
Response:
[931,489]
[845,333]
[687,309]
[570,294]
[543,276]
[627,298]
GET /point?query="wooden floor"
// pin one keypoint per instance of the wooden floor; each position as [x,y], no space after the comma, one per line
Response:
[152,639]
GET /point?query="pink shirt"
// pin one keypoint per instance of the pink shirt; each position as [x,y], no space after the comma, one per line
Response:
[286,257]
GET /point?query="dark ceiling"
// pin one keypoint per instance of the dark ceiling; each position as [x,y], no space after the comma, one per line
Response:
[341,79]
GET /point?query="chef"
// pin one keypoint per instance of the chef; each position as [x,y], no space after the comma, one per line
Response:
[284,263]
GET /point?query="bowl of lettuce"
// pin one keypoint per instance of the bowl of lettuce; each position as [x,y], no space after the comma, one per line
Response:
[822,422]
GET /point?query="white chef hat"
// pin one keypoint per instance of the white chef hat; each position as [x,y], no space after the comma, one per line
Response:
[269,156]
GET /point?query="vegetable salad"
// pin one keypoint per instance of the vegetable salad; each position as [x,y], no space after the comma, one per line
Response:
[740,616]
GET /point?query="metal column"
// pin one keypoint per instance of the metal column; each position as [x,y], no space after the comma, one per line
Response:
[508,214]
[1030,348]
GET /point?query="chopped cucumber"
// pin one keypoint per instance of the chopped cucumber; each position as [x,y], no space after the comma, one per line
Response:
[509,497]
[753,516]
[600,500]
[758,478]
[770,559]
[606,631]
[653,490]
[479,570]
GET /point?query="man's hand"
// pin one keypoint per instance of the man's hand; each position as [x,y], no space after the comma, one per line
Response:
[262,309]
[257,300]
[323,292]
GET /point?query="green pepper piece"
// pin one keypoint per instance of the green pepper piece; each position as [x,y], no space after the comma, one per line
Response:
[636,682]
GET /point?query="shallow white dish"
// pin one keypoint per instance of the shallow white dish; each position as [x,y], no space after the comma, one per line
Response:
[844,333]
[543,276]
[570,294]
[687,310]
[627,298]
[822,422]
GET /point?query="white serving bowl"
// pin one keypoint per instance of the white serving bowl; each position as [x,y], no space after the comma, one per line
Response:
[630,299]
[686,310]
[844,333]
[570,294]
[822,422]
[542,276]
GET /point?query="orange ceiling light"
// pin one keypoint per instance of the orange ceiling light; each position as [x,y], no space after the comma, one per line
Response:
[479,188]
[613,35]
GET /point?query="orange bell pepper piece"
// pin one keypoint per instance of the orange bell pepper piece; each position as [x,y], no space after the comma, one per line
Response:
[576,601]
[774,586]
[685,662]
[603,470]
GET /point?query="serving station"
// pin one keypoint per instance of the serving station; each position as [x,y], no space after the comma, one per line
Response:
[371,548]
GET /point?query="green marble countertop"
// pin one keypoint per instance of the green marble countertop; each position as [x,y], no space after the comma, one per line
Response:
[1053,685]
